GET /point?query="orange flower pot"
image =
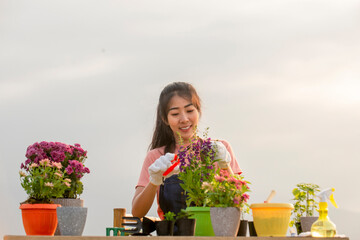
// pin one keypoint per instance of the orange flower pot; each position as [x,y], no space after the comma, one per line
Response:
[39,219]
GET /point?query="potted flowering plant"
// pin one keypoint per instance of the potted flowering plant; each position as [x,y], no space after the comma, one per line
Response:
[226,194]
[70,159]
[42,181]
[205,186]
[197,166]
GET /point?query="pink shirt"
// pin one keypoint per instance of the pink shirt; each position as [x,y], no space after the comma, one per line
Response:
[154,154]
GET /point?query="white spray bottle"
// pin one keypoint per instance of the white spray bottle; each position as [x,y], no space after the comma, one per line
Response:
[323,227]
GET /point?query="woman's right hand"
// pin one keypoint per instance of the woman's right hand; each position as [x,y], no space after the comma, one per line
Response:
[144,196]
[160,165]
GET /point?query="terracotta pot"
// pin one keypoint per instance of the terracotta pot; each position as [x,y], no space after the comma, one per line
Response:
[39,219]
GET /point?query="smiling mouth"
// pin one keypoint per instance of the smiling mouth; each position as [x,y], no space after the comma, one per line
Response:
[185,128]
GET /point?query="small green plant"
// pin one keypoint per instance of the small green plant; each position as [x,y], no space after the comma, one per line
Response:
[183,214]
[169,216]
[305,203]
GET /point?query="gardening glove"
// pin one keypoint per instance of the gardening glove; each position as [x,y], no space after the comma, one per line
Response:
[161,164]
[222,154]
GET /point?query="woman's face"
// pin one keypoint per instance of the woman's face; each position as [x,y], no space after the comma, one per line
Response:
[182,118]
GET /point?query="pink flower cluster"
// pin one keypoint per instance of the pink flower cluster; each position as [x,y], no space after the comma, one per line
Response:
[42,150]
[239,184]
[71,156]
[225,176]
[77,168]
[227,190]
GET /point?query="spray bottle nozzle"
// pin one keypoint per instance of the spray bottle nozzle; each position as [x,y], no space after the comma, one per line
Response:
[327,194]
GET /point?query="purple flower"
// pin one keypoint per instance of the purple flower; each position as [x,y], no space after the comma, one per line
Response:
[79,167]
[58,156]
[73,163]
[69,170]
[45,145]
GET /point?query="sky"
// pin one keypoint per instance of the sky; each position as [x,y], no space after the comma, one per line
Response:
[279,80]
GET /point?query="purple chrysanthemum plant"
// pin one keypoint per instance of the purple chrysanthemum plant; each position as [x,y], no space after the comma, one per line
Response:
[71,157]
[197,166]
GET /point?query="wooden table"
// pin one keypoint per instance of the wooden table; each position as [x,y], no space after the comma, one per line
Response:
[14,237]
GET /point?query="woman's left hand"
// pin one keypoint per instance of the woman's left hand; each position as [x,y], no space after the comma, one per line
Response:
[222,154]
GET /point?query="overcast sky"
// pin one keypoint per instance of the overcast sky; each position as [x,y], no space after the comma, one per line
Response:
[280,80]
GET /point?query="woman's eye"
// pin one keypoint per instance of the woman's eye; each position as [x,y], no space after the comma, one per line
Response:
[174,114]
[190,111]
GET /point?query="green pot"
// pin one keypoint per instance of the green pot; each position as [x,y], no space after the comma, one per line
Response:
[203,225]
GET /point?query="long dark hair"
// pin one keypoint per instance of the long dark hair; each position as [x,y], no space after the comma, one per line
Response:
[163,135]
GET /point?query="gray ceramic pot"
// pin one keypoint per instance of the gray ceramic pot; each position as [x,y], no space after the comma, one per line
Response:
[71,220]
[306,223]
[225,221]
[67,202]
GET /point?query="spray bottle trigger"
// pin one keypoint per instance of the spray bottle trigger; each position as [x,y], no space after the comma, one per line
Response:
[332,200]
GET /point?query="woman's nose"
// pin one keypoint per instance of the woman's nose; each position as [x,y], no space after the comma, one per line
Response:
[183,117]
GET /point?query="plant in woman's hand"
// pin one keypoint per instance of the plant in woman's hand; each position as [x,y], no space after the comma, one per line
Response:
[196,166]
[43,181]
[72,160]
[204,185]
[226,190]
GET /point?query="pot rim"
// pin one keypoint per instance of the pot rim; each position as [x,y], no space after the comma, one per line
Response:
[226,207]
[272,205]
[25,206]
[205,209]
